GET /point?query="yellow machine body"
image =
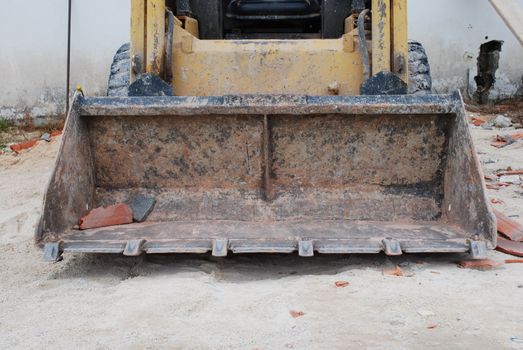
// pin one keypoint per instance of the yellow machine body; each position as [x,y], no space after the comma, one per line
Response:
[266,66]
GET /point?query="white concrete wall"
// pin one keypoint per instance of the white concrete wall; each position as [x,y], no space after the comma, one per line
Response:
[452,31]
[33,42]
[33,48]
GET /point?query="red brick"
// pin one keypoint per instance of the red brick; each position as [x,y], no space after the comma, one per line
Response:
[497,186]
[21,146]
[510,247]
[396,272]
[479,264]
[478,121]
[117,214]
[508,227]
[514,261]
[510,172]
[341,284]
[296,314]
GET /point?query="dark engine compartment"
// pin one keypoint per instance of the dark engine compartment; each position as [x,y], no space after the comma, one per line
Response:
[269,19]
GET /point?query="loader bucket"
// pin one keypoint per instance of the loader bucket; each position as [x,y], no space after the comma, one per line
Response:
[270,174]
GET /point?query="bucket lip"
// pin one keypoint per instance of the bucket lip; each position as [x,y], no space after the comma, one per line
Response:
[336,237]
[271,104]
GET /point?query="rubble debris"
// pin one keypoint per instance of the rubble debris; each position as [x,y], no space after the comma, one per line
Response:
[501,122]
[296,314]
[514,261]
[488,161]
[56,133]
[511,179]
[487,126]
[510,172]
[497,186]
[432,326]
[396,272]
[485,264]
[511,229]
[341,284]
[142,206]
[501,141]
[491,177]
[510,247]
[46,137]
[477,121]
[117,214]
[17,148]
[496,201]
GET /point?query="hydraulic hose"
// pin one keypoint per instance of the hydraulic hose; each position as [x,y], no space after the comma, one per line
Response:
[363,43]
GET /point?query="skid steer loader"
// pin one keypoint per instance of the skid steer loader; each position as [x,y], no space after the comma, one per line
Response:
[274,126]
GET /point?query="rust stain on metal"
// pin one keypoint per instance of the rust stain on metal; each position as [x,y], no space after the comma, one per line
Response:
[267,159]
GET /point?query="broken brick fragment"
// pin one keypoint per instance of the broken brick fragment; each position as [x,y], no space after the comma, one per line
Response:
[21,146]
[477,121]
[505,140]
[118,214]
[484,264]
[510,172]
[296,314]
[514,261]
[508,227]
[510,247]
[341,284]
[498,144]
[56,133]
[396,272]
[497,186]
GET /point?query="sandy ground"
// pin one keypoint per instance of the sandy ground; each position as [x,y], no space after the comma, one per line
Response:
[244,302]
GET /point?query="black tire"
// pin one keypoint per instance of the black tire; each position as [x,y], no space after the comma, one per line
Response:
[120,69]
[420,81]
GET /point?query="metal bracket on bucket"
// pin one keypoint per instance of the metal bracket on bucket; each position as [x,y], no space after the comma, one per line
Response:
[478,249]
[220,247]
[52,252]
[306,248]
[134,247]
[391,247]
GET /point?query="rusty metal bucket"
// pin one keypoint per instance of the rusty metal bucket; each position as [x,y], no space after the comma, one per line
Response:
[271,174]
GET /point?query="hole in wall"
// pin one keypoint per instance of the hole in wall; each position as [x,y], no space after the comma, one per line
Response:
[488,64]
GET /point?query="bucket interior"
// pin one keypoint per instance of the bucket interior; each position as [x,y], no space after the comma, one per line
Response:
[274,168]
